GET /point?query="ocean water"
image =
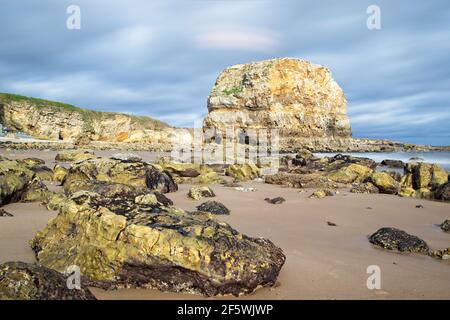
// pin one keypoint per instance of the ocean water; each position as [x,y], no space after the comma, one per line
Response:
[440,158]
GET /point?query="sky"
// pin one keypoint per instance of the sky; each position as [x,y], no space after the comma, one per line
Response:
[161,58]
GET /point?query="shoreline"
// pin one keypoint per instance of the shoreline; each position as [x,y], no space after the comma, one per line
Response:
[323,261]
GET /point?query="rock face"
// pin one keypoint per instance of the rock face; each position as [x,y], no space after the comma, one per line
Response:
[57,121]
[295,96]
[213,207]
[120,242]
[399,240]
[22,281]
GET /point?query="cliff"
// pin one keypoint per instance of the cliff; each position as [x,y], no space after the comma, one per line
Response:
[57,121]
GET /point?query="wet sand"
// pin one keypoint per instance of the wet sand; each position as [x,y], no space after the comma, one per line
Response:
[323,262]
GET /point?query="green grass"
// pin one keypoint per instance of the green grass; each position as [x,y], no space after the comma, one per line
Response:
[87,114]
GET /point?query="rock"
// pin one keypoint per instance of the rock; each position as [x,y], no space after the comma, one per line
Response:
[445,225]
[59,173]
[74,155]
[228,184]
[4,213]
[443,192]
[419,206]
[24,281]
[425,175]
[298,98]
[416,159]
[443,254]
[15,179]
[321,193]
[407,192]
[366,187]
[127,157]
[160,181]
[33,162]
[393,163]
[242,172]
[303,157]
[384,182]
[137,174]
[313,180]
[277,200]
[342,160]
[198,192]
[395,239]
[350,174]
[43,173]
[148,199]
[213,207]
[190,172]
[331,224]
[163,248]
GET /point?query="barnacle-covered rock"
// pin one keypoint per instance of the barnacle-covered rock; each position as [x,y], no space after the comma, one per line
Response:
[121,242]
[399,240]
[24,281]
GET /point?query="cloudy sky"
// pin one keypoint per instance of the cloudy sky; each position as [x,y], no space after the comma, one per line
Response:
[161,57]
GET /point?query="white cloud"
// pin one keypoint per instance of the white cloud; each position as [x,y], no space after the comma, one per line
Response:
[238,39]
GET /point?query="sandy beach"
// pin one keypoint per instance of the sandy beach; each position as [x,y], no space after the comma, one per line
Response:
[323,262]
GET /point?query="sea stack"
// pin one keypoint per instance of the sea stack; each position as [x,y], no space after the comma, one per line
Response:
[297,97]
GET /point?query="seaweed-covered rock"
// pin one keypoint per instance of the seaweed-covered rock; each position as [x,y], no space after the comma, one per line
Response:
[59,173]
[4,213]
[135,173]
[242,172]
[160,181]
[366,187]
[303,157]
[443,192]
[198,192]
[426,175]
[443,254]
[350,174]
[393,163]
[311,180]
[407,192]
[445,225]
[384,182]
[277,200]
[395,239]
[131,157]
[164,248]
[321,193]
[213,207]
[15,179]
[74,155]
[33,162]
[190,172]
[23,281]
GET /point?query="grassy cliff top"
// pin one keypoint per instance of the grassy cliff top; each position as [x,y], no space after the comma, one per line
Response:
[87,114]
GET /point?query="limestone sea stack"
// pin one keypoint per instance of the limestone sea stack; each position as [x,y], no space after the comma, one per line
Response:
[297,97]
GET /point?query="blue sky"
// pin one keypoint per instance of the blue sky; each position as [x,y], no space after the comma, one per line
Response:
[161,57]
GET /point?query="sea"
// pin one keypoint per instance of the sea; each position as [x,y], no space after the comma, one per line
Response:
[441,158]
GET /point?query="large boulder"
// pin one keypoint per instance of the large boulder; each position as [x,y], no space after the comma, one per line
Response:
[399,240]
[15,181]
[190,172]
[384,182]
[23,281]
[134,173]
[135,245]
[242,172]
[352,173]
[298,98]
[427,180]
[443,192]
